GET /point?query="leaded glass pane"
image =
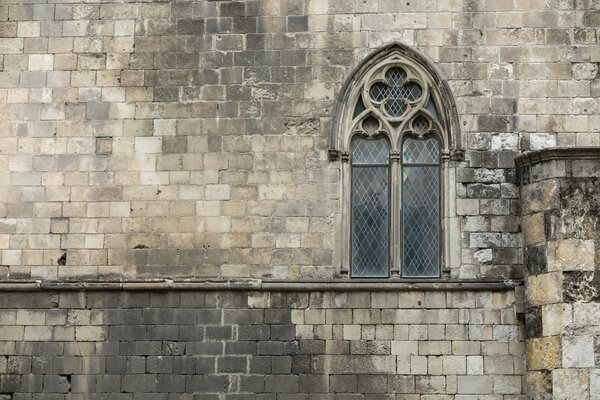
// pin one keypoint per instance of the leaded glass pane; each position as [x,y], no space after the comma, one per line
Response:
[395,91]
[370,221]
[420,221]
[370,151]
[420,151]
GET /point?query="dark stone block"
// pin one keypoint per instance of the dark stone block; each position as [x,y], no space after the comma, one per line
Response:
[218,332]
[173,348]
[208,383]
[297,23]
[127,332]
[534,259]
[137,383]
[67,365]
[116,365]
[244,25]
[482,190]
[206,365]
[233,9]
[241,347]
[55,384]
[171,383]
[270,348]
[136,365]
[343,383]
[313,383]
[482,159]
[32,383]
[145,348]
[373,383]
[278,316]
[232,364]
[254,332]
[163,332]
[41,365]
[208,317]
[495,123]
[218,25]
[260,365]
[166,94]
[252,383]
[190,27]
[157,316]
[282,365]
[184,365]
[281,383]
[301,364]
[170,299]
[533,322]
[238,317]
[108,383]
[256,41]
[312,347]
[203,348]
[283,332]
[291,348]
[159,364]
[191,332]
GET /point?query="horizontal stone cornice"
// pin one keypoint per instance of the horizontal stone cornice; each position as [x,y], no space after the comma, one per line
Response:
[266,285]
[557,153]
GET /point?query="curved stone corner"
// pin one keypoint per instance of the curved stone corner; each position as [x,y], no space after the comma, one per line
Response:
[560,206]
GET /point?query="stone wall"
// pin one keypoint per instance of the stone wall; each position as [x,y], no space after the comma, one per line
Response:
[561,228]
[186,139]
[191,344]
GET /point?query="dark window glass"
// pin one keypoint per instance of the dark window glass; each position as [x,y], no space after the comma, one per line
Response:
[370,207]
[420,207]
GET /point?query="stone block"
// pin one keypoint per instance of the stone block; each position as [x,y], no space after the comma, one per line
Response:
[544,353]
[544,288]
[556,318]
[571,255]
[570,384]
[533,229]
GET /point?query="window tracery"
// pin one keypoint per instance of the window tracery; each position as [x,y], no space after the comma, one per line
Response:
[393,208]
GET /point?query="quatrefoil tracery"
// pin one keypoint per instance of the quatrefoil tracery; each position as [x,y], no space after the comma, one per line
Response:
[396,91]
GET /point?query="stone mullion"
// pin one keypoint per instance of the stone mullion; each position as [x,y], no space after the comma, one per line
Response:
[395,212]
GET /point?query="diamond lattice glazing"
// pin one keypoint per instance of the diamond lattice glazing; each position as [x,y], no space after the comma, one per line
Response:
[370,194]
[396,91]
[370,151]
[420,221]
[420,151]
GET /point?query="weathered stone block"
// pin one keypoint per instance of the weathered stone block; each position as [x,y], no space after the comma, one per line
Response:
[544,288]
[570,384]
[570,255]
[543,353]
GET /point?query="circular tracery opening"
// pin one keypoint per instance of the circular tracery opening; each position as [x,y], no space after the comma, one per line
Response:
[395,92]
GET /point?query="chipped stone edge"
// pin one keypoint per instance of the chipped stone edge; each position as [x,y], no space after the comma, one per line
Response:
[263,285]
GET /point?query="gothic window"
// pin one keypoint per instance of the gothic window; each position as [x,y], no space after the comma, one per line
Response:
[392,136]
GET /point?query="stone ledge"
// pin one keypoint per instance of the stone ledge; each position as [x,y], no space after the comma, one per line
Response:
[266,285]
[557,153]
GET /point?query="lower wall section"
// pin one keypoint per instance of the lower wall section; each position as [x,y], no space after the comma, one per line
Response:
[240,345]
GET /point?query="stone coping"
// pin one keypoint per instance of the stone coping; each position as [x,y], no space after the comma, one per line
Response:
[268,285]
[557,153]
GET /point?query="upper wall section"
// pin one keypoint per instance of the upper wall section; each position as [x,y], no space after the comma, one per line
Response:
[189,139]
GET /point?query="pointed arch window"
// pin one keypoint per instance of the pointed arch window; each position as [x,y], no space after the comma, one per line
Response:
[392,135]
